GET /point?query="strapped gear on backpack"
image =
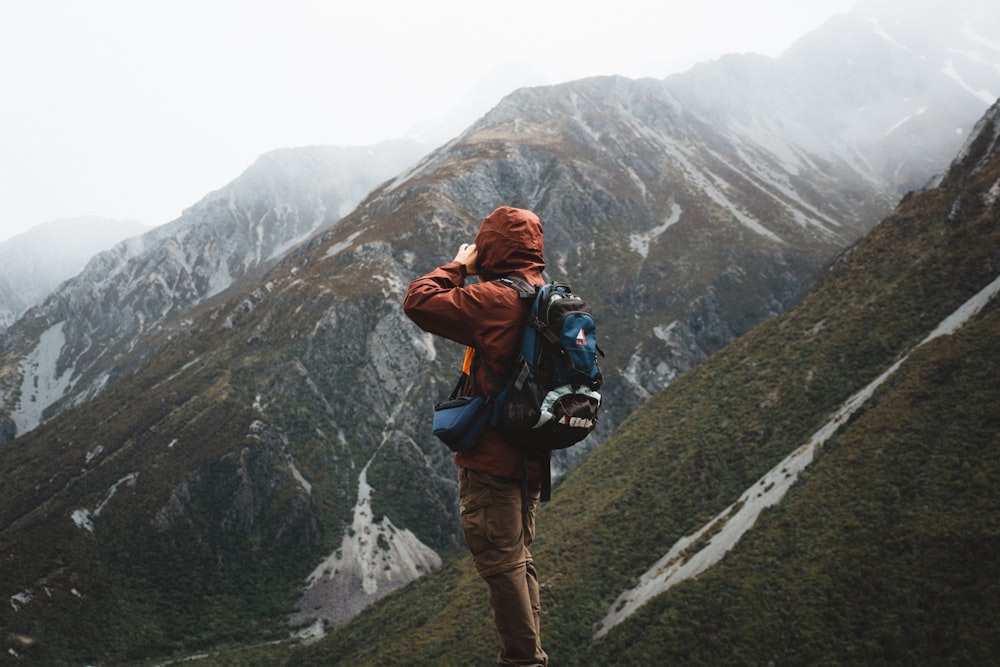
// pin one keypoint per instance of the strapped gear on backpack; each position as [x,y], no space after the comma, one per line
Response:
[461,420]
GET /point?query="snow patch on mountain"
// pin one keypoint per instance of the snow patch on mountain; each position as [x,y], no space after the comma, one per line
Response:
[715,539]
[42,383]
[898,124]
[341,246]
[778,187]
[18,600]
[424,343]
[712,186]
[633,377]
[993,194]
[640,242]
[374,559]
[297,475]
[84,518]
[880,31]
[220,280]
[983,94]
[665,333]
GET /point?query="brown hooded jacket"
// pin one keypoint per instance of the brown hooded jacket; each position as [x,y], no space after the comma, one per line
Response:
[487,316]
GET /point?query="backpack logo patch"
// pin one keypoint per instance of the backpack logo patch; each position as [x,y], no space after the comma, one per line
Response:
[581,338]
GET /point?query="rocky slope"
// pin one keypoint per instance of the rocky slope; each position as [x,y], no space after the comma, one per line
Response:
[34,263]
[103,322]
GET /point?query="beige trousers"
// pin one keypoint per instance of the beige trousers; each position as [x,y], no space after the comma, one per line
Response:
[498,534]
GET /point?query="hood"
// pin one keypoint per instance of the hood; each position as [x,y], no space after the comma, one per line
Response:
[509,242]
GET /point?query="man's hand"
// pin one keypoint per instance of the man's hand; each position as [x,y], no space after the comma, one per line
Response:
[467,255]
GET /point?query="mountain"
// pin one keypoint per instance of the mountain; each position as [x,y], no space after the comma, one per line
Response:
[483,94]
[259,457]
[100,324]
[850,103]
[34,263]
[818,492]
[888,88]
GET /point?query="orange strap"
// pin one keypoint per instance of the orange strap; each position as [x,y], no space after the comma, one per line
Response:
[467,364]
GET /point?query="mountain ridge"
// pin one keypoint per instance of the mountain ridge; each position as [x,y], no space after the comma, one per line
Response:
[125,297]
[37,261]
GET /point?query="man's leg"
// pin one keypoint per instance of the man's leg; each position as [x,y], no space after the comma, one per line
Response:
[498,535]
[536,602]
[514,617]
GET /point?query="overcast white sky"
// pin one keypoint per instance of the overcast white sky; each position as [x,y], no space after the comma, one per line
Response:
[136,109]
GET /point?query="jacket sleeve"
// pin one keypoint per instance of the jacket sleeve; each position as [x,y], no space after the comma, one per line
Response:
[439,304]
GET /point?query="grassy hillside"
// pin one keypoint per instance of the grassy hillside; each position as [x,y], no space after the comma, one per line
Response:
[886,552]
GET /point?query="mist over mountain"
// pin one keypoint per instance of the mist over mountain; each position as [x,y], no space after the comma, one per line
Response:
[220,432]
[483,94]
[100,324]
[32,264]
[888,88]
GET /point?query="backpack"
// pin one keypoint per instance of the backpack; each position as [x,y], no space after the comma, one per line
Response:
[552,397]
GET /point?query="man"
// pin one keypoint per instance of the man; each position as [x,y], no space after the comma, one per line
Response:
[490,318]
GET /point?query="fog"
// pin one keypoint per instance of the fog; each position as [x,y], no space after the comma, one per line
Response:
[136,110]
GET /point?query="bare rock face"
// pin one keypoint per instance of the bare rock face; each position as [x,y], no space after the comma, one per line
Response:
[113,314]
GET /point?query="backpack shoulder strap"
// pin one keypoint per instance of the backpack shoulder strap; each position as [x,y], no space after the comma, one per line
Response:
[526,356]
[523,289]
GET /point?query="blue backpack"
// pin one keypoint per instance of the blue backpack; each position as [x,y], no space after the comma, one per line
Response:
[552,397]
